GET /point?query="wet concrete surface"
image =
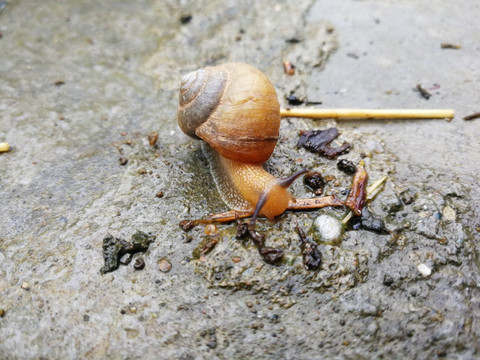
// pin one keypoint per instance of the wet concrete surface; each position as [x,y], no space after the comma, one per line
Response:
[82,86]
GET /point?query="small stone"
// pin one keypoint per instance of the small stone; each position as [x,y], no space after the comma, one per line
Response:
[236,259]
[25,285]
[2,312]
[448,214]
[327,229]
[139,263]
[164,265]
[123,161]
[212,344]
[374,146]
[86,318]
[408,195]
[133,309]
[388,280]
[211,229]
[346,166]
[152,138]
[274,318]
[159,194]
[372,329]
[424,269]
[315,181]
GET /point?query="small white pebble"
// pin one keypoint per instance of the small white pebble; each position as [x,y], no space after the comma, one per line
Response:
[375,146]
[448,214]
[327,228]
[424,269]
[25,285]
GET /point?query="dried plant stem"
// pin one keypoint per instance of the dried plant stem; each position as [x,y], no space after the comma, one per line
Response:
[316,113]
[372,190]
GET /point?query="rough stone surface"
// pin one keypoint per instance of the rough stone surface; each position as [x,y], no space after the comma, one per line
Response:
[83,84]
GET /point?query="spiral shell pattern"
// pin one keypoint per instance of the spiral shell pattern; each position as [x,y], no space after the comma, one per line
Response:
[200,94]
[234,108]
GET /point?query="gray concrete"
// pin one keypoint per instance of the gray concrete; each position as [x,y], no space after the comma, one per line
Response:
[83,83]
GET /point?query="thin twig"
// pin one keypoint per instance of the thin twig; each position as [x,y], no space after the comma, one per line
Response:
[316,113]
[472,116]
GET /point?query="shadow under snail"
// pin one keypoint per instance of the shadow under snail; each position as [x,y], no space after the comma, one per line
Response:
[234,109]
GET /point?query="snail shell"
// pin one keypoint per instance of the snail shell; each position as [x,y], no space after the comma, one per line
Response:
[234,108]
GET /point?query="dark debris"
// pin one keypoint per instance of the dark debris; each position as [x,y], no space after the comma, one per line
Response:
[472,116]
[139,263]
[368,221]
[293,40]
[312,258]
[205,246]
[294,100]
[347,166]
[185,19]
[318,141]
[269,255]
[425,94]
[450,46]
[115,248]
[187,225]
[315,181]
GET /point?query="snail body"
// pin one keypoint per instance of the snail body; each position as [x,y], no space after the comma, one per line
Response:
[234,108]
[241,185]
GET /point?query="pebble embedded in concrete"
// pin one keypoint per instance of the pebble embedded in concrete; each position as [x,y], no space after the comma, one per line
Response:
[448,214]
[327,229]
[424,269]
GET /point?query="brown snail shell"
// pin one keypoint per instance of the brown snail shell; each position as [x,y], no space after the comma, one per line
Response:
[234,108]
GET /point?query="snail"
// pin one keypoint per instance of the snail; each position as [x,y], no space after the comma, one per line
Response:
[234,109]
